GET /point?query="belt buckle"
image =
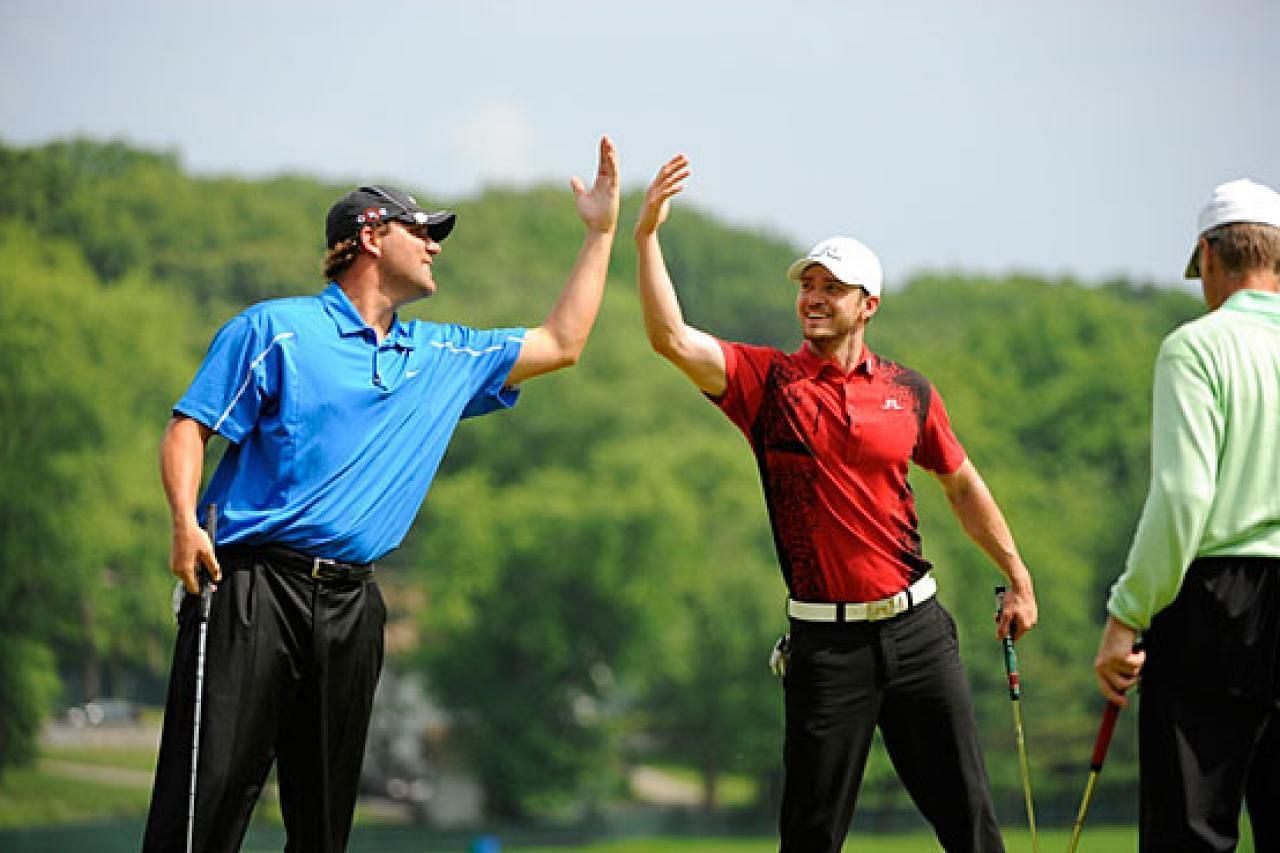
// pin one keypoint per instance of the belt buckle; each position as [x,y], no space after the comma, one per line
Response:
[319,562]
[882,609]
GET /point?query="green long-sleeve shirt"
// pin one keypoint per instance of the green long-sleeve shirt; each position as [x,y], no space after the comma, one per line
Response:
[1215,453]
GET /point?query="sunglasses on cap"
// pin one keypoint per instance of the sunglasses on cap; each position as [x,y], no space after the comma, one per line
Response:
[416,222]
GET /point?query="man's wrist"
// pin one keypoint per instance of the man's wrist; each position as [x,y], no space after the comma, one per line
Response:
[1019,577]
[1120,624]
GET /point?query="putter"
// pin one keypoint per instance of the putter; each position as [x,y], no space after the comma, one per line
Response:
[1100,746]
[206,598]
[1015,696]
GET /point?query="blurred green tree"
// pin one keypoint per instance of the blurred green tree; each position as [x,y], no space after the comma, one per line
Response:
[600,584]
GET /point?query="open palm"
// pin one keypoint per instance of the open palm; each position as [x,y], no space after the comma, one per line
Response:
[598,208]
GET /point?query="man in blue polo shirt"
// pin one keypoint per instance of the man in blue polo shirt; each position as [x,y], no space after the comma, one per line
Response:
[337,414]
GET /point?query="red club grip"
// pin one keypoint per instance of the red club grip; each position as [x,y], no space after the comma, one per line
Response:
[1105,730]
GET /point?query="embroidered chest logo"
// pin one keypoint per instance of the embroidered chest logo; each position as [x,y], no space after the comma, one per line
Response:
[891,404]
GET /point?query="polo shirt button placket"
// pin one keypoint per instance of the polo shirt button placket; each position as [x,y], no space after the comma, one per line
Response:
[377,374]
[851,422]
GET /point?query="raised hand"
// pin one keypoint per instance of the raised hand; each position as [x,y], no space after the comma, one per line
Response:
[598,207]
[657,200]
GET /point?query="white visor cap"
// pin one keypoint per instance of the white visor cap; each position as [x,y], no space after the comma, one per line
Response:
[846,259]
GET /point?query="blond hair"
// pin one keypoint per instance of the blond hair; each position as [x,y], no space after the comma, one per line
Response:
[343,254]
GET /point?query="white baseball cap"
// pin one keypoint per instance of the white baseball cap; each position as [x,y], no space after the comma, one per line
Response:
[1235,201]
[846,259]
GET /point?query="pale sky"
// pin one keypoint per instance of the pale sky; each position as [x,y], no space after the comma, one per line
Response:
[1076,137]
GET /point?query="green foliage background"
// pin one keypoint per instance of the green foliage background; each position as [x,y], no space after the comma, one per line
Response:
[592,577]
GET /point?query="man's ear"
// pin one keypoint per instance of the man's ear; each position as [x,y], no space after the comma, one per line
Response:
[870,305]
[1203,250]
[370,241]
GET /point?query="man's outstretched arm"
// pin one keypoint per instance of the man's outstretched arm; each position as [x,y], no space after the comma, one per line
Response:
[697,354]
[559,341]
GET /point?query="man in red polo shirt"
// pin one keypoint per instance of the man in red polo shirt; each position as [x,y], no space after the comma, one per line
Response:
[834,427]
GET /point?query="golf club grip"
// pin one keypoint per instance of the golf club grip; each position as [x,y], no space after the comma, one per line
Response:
[1105,730]
[206,586]
[1011,668]
[1010,656]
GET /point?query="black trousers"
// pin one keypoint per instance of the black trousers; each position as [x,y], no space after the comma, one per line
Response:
[1209,711]
[904,676]
[290,670]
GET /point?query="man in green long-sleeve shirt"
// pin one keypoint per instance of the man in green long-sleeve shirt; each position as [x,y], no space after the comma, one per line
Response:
[1202,581]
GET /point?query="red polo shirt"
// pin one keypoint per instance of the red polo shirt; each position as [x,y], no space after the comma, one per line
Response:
[833,451]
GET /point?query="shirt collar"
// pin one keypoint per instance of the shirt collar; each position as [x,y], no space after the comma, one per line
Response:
[813,364]
[349,322]
[1255,302]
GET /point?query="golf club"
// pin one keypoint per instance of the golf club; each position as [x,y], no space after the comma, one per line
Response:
[206,598]
[1108,725]
[1015,697]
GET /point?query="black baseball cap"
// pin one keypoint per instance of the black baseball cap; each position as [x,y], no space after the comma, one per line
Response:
[373,205]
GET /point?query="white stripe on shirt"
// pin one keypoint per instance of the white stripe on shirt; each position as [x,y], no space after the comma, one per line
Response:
[474,353]
[248,376]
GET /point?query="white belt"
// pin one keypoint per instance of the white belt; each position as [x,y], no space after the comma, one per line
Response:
[864,611]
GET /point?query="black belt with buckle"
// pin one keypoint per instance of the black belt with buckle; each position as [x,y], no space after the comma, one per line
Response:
[317,568]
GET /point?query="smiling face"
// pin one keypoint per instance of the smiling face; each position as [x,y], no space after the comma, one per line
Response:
[830,310]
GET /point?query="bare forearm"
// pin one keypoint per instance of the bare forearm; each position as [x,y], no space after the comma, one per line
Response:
[696,353]
[663,319]
[559,341]
[181,465]
[986,526]
[982,520]
[574,314]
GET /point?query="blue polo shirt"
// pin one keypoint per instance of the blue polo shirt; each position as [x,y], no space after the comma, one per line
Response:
[335,437]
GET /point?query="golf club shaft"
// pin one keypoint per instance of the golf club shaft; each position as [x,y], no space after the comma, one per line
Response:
[1025,769]
[206,596]
[1015,696]
[1100,747]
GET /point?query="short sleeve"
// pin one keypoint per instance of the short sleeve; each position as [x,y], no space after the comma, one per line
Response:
[234,383]
[746,371]
[938,449]
[493,352]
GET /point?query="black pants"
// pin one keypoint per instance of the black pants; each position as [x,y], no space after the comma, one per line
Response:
[290,670]
[1209,712]
[904,676]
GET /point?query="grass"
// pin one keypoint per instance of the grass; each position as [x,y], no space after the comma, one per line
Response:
[33,797]
[124,757]
[1106,839]
[29,797]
